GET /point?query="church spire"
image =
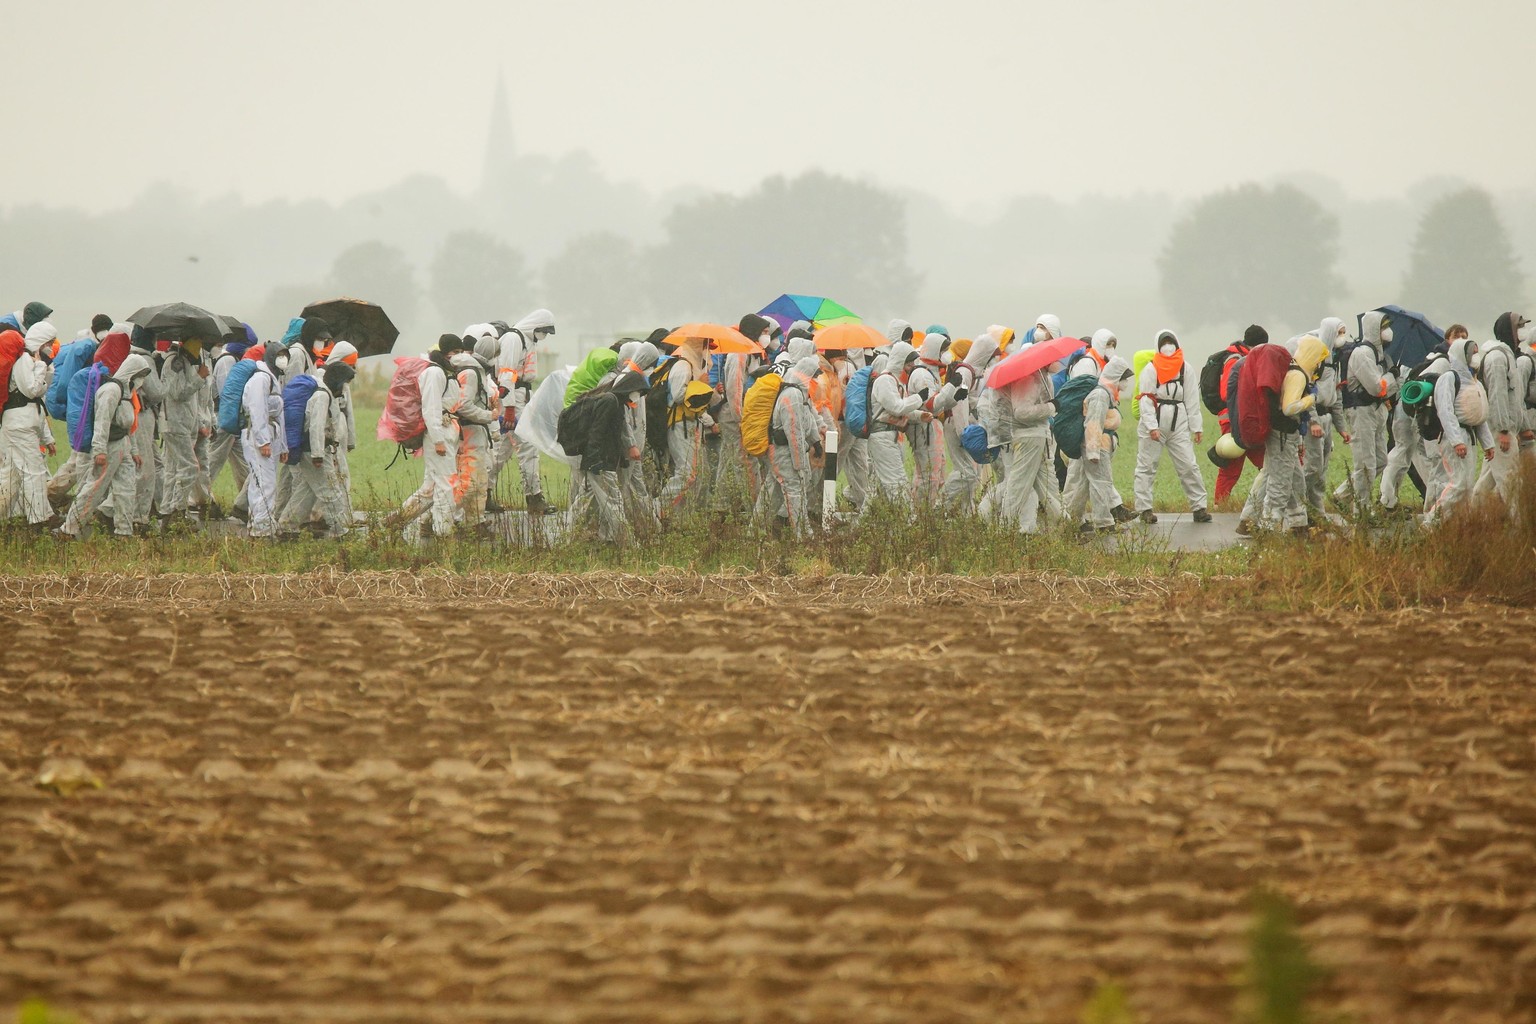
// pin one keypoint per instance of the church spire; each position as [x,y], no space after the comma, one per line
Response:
[500,152]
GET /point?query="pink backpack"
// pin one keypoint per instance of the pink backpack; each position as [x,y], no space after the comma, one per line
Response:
[401,420]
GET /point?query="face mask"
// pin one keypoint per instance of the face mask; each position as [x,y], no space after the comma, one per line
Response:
[1042,334]
[1168,349]
[281,362]
[1386,335]
[1341,340]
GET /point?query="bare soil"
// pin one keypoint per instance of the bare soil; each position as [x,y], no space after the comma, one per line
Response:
[743,801]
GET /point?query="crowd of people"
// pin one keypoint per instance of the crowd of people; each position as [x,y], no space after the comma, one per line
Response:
[650,426]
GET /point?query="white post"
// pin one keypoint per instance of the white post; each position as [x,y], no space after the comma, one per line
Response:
[829,479]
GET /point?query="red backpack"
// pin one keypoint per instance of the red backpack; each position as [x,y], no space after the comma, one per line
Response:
[401,420]
[11,348]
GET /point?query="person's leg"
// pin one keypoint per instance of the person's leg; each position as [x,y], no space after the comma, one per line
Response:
[1074,495]
[1148,454]
[146,486]
[440,469]
[960,484]
[95,486]
[1100,478]
[888,469]
[1026,456]
[853,455]
[791,484]
[470,480]
[302,496]
[261,491]
[180,473]
[1181,449]
[683,450]
[74,469]
[612,527]
[528,467]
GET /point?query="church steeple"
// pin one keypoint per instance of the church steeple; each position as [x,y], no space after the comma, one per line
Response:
[500,152]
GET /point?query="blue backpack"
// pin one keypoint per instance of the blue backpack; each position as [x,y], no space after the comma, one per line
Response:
[70,360]
[80,404]
[232,395]
[856,405]
[974,440]
[296,395]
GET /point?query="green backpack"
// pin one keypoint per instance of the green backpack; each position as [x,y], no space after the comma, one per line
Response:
[1067,424]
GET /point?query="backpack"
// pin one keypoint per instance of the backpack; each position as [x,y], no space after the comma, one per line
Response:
[757,413]
[231,403]
[214,372]
[1530,376]
[1354,397]
[401,420]
[80,404]
[1418,387]
[658,406]
[1067,424]
[974,440]
[575,423]
[1211,376]
[856,409]
[70,360]
[296,396]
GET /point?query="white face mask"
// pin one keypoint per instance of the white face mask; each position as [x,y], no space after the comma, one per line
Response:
[281,362]
[1386,335]
[1042,334]
[1341,340]
[1168,348]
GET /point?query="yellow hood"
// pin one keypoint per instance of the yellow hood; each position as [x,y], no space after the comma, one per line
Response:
[1310,354]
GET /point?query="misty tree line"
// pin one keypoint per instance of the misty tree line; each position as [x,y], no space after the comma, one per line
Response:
[613,257]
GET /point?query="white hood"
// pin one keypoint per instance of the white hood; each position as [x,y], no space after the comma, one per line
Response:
[538,320]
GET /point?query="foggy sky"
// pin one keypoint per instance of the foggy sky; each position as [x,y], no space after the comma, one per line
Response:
[969,101]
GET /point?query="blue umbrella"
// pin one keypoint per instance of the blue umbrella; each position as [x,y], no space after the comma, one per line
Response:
[1412,334]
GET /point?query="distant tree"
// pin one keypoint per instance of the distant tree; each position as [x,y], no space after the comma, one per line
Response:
[476,277]
[378,273]
[1251,254]
[598,281]
[1463,266]
[816,234]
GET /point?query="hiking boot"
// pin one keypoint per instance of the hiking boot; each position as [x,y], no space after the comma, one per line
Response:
[537,505]
[1202,516]
[1245,527]
[60,535]
[493,506]
[240,515]
[1300,531]
[1122,514]
[1148,516]
[215,513]
[1085,528]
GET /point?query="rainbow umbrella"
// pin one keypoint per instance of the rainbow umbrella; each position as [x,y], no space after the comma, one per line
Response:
[786,309]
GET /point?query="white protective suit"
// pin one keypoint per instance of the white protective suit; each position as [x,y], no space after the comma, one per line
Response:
[795,431]
[112,471]
[440,401]
[926,382]
[181,412]
[1506,408]
[639,357]
[891,411]
[1370,384]
[224,447]
[1091,479]
[477,415]
[685,436]
[24,431]
[1461,403]
[970,375]
[1410,449]
[313,469]
[516,368]
[1327,417]
[1018,417]
[1172,408]
[263,402]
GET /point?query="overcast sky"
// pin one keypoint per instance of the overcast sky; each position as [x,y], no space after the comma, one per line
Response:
[970,100]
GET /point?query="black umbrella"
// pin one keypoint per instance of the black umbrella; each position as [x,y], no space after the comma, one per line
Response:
[364,324]
[232,325]
[180,321]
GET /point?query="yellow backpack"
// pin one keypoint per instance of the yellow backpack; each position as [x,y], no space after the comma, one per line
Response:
[757,413]
[697,397]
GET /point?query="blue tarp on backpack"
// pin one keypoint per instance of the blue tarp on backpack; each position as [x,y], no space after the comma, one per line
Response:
[296,395]
[70,360]
[1067,424]
[974,440]
[232,395]
[856,405]
[80,404]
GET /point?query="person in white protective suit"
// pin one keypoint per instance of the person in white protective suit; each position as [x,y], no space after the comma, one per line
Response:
[638,357]
[608,443]
[1102,347]
[1368,384]
[1169,421]
[184,380]
[516,370]
[891,412]
[24,431]
[1506,406]
[1277,499]
[1461,405]
[1410,449]
[477,415]
[1018,417]
[736,471]
[686,422]
[441,400]
[315,471]
[927,381]
[1091,479]
[968,375]
[264,441]
[795,435]
[1327,415]
[112,471]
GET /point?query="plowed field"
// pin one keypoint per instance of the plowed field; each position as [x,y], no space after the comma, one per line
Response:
[760,804]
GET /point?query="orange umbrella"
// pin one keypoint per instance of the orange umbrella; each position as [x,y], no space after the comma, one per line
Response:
[840,337]
[720,338]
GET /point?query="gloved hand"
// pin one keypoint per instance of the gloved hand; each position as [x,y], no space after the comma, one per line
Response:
[952,375]
[923,394]
[961,394]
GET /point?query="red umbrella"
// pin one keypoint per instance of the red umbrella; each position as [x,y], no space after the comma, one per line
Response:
[1031,360]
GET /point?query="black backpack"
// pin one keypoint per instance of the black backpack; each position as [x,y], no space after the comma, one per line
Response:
[1210,380]
[658,407]
[1354,396]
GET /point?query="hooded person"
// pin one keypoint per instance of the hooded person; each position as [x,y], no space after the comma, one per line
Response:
[1091,479]
[477,416]
[224,447]
[927,380]
[317,340]
[313,467]
[263,437]
[892,411]
[1410,448]
[1277,498]
[1047,326]
[24,431]
[639,357]
[345,353]
[1506,406]
[111,472]
[114,348]
[1169,420]
[1017,417]
[1461,405]
[795,434]
[589,373]
[1368,385]
[150,462]
[516,373]
[688,398]
[1327,417]
[32,314]
[852,451]
[963,383]
[736,471]
[607,444]
[441,398]
[184,380]
[1090,362]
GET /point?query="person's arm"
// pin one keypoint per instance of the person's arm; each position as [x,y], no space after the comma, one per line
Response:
[1366,374]
[886,397]
[1502,415]
[1445,407]
[317,414]
[433,382]
[471,410]
[351,414]
[1032,405]
[107,397]
[1295,397]
[1095,408]
[29,376]
[1146,388]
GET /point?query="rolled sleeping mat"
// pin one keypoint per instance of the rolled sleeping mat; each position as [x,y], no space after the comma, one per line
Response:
[1226,451]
